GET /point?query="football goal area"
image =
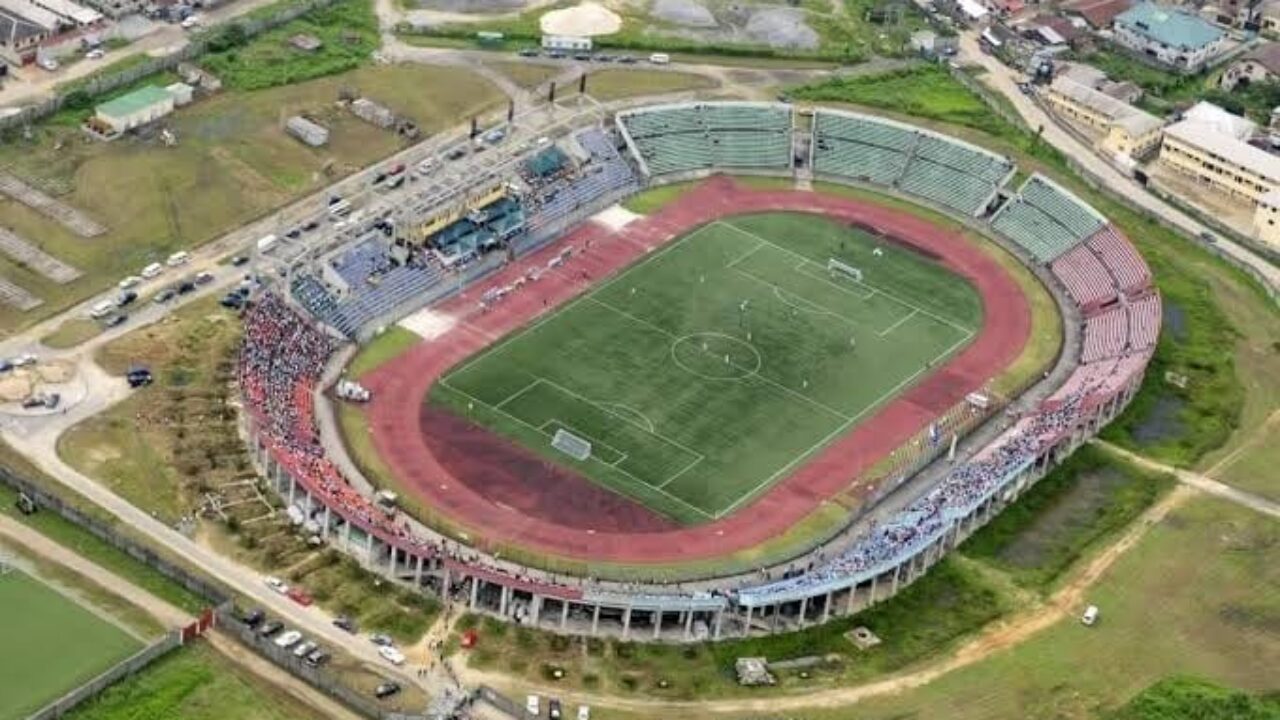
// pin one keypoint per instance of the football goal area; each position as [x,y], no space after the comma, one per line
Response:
[576,447]
[835,267]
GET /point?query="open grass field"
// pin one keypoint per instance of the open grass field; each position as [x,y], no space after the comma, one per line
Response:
[50,644]
[706,372]
[233,163]
[193,683]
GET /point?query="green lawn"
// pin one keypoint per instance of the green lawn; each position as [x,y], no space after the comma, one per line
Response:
[50,644]
[194,683]
[711,369]
[387,345]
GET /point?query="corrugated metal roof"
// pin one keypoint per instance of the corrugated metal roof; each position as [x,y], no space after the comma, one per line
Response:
[1169,26]
[133,102]
[1236,152]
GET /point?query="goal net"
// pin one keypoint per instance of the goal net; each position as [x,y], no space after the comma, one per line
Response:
[576,447]
[836,267]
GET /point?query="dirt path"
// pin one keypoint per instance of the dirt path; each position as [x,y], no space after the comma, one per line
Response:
[170,616]
[1198,481]
[1065,602]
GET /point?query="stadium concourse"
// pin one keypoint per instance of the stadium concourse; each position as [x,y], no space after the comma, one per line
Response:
[1094,269]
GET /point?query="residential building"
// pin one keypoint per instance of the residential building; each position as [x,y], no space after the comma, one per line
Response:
[73,14]
[1099,14]
[1170,36]
[20,38]
[146,104]
[1266,220]
[50,22]
[1219,161]
[1124,131]
[1236,13]
[1261,64]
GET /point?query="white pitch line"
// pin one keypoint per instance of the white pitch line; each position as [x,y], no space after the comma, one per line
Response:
[886,293]
[897,324]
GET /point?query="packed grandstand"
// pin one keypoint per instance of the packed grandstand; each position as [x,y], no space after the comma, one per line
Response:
[292,334]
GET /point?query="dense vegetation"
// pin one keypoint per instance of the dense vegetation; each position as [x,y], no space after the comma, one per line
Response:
[1181,698]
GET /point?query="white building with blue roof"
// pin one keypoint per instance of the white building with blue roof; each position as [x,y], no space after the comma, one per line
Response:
[1172,36]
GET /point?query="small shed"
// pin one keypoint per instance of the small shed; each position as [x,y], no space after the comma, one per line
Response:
[146,104]
[181,92]
[310,133]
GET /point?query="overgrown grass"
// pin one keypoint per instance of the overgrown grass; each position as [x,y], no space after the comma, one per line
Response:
[348,32]
[1087,498]
[387,345]
[1187,698]
[71,333]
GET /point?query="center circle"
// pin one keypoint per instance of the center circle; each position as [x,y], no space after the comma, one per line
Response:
[716,356]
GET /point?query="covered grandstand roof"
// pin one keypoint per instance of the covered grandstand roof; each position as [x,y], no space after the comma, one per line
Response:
[548,162]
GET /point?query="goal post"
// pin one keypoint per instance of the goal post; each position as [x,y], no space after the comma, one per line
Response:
[836,267]
[576,447]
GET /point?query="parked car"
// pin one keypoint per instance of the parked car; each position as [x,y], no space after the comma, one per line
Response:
[23,360]
[186,286]
[276,584]
[386,689]
[115,321]
[126,297]
[304,649]
[178,259]
[554,710]
[584,712]
[239,260]
[47,63]
[254,617]
[300,596]
[345,623]
[533,705]
[289,639]
[528,52]
[203,278]
[152,270]
[317,658]
[165,295]
[270,627]
[95,54]
[232,300]
[381,640]
[131,281]
[5,366]
[1090,615]
[51,400]
[391,655]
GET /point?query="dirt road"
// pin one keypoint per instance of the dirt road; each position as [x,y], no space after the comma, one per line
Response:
[1063,604]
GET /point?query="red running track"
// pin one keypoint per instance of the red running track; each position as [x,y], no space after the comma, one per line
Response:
[582,521]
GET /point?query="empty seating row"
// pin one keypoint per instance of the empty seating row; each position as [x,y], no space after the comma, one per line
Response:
[683,138]
[946,186]
[1144,322]
[864,129]
[1106,335]
[1029,227]
[1125,264]
[1062,207]
[869,163]
[963,158]
[1085,277]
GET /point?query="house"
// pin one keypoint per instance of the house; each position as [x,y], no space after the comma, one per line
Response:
[1059,25]
[19,38]
[1236,13]
[1170,36]
[1260,64]
[1220,161]
[1098,13]
[116,9]
[73,14]
[1124,131]
[144,105]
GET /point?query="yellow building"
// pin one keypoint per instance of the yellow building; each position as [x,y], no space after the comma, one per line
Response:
[1266,220]
[1219,161]
[1125,131]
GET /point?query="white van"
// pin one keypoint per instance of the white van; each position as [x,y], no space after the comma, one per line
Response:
[102,309]
[660,59]
[152,270]
[177,259]
[266,242]
[1090,615]
[131,281]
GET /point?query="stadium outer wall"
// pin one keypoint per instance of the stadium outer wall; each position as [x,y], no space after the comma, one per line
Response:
[572,605]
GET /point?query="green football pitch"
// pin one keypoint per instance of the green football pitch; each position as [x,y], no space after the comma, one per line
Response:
[712,368]
[49,644]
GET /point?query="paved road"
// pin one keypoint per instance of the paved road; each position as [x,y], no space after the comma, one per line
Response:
[1005,80]
[1200,482]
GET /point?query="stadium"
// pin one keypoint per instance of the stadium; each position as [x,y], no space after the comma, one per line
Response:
[764,404]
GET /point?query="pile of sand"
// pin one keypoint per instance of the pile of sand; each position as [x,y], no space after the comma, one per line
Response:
[584,20]
[689,13]
[15,388]
[55,371]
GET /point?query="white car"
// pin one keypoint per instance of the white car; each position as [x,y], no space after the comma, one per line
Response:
[288,639]
[276,584]
[178,258]
[532,705]
[152,270]
[131,281]
[391,655]
[1090,615]
[584,712]
[304,649]
[23,359]
[48,64]
[191,21]
[95,54]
